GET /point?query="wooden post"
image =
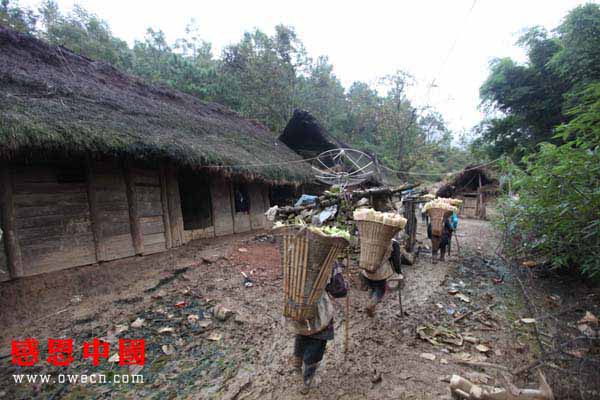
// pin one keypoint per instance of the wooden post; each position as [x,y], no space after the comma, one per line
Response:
[165,206]
[11,241]
[174,201]
[411,224]
[479,199]
[232,204]
[95,217]
[134,215]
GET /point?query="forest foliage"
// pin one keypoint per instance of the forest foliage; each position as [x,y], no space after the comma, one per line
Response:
[545,116]
[264,77]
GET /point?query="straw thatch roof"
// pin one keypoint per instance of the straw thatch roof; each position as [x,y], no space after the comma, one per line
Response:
[468,181]
[53,100]
[307,137]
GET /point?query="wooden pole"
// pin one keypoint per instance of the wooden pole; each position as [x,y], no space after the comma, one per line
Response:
[347,325]
[175,214]
[400,299]
[457,244]
[94,211]
[11,241]
[347,321]
[411,225]
[165,206]
[134,215]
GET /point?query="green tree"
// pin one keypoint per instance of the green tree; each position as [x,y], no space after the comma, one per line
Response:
[321,93]
[260,75]
[557,216]
[18,18]
[525,103]
[83,33]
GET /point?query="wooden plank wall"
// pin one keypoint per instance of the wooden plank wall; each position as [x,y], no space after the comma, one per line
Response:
[55,216]
[226,221]
[257,206]
[147,195]
[220,191]
[53,223]
[4,271]
[108,204]
[95,211]
[174,206]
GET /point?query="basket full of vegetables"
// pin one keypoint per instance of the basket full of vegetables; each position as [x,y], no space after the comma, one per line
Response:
[376,230]
[437,210]
[307,256]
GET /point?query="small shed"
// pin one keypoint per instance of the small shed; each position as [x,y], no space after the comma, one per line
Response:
[97,165]
[475,186]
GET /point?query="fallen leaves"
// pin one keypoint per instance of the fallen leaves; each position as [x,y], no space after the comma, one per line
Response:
[138,323]
[168,349]
[462,297]
[438,335]
[215,337]
[482,348]
[588,325]
[222,313]
[478,377]
[528,321]
[589,318]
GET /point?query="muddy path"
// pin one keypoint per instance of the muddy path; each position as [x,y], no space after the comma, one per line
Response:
[245,356]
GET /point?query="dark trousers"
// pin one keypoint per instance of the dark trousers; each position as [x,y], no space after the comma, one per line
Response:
[311,351]
[376,288]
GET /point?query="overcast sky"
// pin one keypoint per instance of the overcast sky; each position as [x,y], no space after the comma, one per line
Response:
[364,40]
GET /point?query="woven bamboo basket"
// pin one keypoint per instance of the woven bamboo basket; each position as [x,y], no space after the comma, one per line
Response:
[437,216]
[375,240]
[306,260]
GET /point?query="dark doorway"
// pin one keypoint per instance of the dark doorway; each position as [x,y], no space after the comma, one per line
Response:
[195,201]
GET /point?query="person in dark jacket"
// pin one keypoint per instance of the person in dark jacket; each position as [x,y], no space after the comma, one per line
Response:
[440,242]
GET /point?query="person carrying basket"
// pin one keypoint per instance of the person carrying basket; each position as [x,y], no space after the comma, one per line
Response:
[376,282]
[309,278]
[311,337]
[440,227]
[440,241]
[379,252]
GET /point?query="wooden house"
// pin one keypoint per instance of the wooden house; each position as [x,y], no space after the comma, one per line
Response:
[476,187]
[98,165]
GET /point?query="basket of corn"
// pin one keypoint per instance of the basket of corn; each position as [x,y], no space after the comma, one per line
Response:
[437,210]
[307,256]
[376,230]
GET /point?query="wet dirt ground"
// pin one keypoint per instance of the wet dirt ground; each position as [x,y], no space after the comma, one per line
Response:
[191,354]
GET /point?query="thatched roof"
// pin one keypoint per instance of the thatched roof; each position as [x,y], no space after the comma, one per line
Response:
[468,181]
[53,100]
[306,136]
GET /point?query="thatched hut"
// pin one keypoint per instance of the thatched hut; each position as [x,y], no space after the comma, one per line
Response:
[307,137]
[98,165]
[475,186]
